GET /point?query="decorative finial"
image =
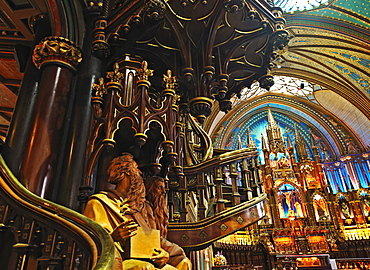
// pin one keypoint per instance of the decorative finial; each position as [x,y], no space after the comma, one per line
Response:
[169,81]
[99,88]
[115,75]
[144,72]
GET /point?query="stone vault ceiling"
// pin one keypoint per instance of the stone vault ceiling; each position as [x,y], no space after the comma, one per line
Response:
[329,48]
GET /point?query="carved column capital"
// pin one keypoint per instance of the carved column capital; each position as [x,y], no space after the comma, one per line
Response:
[56,50]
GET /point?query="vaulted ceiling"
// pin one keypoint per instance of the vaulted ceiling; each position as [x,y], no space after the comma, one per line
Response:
[329,48]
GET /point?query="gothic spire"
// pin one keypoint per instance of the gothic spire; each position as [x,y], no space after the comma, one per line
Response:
[264,144]
[250,143]
[300,145]
[275,140]
[270,119]
[289,141]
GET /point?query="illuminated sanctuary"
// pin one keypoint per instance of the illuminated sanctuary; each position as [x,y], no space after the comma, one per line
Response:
[184,134]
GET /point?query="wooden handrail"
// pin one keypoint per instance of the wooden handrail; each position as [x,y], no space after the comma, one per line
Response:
[83,230]
[198,235]
[225,158]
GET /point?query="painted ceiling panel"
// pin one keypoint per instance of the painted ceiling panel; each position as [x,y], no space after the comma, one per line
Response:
[303,67]
[315,38]
[360,7]
[348,113]
[330,27]
[339,15]
[351,64]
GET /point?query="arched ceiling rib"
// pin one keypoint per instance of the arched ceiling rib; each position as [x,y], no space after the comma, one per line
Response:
[293,110]
[329,48]
[346,112]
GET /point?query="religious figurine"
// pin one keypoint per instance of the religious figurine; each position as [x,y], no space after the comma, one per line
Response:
[298,208]
[121,210]
[366,206]
[156,196]
[283,162]
[345,210]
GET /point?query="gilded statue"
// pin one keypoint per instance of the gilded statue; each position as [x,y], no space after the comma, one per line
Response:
[123,209]
[344,208]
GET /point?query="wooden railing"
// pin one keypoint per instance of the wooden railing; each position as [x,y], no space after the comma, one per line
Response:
[198,235]
[222,181]
[39,234]
[228,195]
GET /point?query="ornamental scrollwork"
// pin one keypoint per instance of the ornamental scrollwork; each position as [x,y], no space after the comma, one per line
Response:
[233,6]
[56,49]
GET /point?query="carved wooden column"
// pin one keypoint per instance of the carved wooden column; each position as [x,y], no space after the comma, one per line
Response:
[256,181]
[180,138]
[274,207]
[20,124]
[57,58]
[143,85]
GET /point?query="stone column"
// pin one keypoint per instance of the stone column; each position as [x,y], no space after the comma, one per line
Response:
[57,59]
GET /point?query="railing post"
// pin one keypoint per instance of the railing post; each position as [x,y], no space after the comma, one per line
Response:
[235,193]
[220,199]
[200,187]
[246,173]
[182,190]
[255,177]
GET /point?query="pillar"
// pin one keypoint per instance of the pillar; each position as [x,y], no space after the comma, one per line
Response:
[57,59]
[90,70]
[20,124]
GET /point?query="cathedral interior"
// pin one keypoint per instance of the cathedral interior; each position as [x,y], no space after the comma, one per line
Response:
[255,114]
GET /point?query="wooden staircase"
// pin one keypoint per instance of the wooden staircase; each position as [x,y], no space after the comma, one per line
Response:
[39,234]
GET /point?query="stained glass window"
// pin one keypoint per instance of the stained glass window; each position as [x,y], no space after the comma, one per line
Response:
[299,5]
[285,85]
